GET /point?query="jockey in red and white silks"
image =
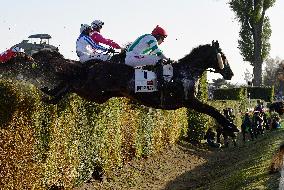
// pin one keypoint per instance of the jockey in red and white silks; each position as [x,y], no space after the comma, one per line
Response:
[144,50]
[8,54]
[87,49]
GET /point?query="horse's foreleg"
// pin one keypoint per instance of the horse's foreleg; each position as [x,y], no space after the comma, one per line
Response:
[201,107]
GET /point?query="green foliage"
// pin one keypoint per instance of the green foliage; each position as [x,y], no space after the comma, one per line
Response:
[264,93]
[254,33]
[273,74]
[230,94]
[251,15]
[197,121]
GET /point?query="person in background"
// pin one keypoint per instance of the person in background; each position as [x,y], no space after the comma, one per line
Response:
[87,49]
[8,54]
[97,37]
[210,138]
[246,127]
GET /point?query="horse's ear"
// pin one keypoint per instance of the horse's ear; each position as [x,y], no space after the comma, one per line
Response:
[213,42]
[217,44]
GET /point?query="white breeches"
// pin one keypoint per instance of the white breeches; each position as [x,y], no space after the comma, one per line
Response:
[135,60]
[86,57]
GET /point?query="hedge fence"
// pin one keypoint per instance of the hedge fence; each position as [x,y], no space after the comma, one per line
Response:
[43,145]
[63,145]
[263,93]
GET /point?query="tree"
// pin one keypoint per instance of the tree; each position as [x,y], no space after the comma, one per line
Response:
[274,74]
[254,33]
[220,82]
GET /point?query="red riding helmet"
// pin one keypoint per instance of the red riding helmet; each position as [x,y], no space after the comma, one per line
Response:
[159,31]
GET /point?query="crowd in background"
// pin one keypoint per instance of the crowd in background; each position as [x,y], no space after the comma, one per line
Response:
[254,124]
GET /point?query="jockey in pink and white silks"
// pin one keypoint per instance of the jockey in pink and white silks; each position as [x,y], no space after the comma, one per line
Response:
[144,50]
[97,37]
[87,49]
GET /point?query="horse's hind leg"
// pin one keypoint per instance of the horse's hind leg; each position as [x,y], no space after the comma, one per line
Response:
[59,95]
[54,91]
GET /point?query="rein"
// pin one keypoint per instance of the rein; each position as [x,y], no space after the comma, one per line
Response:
[212,71]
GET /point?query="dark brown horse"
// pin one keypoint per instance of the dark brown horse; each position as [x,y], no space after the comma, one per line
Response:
[102,81]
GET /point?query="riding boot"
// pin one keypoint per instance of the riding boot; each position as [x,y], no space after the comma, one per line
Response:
[160,81]
[159,73]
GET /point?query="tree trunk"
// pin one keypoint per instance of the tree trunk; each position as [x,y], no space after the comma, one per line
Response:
[257,58]
[257,72]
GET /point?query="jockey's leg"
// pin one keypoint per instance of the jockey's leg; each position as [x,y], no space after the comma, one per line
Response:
[100,56]
[141,60]
[83,58]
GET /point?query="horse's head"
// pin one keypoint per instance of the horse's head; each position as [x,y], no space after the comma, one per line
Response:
[221,64]
[209,56]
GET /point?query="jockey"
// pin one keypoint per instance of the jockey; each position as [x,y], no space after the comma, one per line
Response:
[98,38]
[87,49]
[8,54]
[144,50]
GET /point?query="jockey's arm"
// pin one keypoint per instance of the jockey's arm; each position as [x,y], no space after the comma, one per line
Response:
[155,50]
[95,46]
[97,37]
[162,56]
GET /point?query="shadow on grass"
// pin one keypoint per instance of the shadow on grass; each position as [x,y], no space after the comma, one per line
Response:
[242,167]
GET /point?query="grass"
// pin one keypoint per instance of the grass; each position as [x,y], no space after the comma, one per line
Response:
[184,167]
[247,166]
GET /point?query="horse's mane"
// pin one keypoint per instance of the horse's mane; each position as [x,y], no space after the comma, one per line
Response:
[65,68]
[195,53]
[47,55]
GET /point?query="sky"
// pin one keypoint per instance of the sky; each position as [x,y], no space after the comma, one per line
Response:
[189,23]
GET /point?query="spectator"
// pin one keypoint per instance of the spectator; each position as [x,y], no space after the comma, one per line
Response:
[210,138]
[247,127]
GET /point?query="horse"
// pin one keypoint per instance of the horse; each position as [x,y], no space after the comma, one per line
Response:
[104,80]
